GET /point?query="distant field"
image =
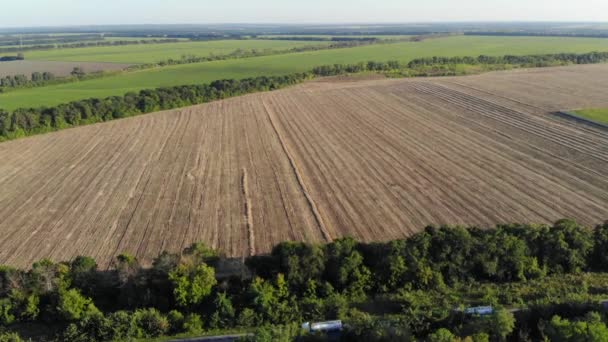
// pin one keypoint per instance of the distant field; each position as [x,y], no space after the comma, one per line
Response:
[150,53]
[297,62]
[384,37]
[595,114]
[59,69]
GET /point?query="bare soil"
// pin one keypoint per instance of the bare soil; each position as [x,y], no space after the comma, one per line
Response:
[375,159]
[59,69]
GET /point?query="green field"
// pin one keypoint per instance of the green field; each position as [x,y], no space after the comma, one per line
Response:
[383,37]
[595,114]
[150,53]
[289,63]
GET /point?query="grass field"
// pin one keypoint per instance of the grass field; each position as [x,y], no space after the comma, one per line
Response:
[150,53]
[289,63]
[595,114]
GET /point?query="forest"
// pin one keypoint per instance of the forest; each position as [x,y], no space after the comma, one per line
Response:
[543,281]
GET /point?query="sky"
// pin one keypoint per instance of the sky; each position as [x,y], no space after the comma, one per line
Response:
[28,13]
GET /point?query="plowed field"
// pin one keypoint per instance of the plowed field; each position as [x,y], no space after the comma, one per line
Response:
[377,160]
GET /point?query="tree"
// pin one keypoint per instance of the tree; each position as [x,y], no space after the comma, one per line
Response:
[25,305]
[78,72]
[590,329]
[223,315]
[193,324]
[72,306]
[46,276]
[150,323]
[192,284]
[6,312]
[83,272]
[176,321]
[10,337]
[501,324]
[345,269]
[441,335]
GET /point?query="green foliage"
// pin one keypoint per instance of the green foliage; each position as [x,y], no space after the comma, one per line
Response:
[591,329]
[176,321]
[300,262]
[83,271]
[72,306]
[224,314]
[192,283]
[150,323]
[193,324]
[91,328]
[441,335]
[10,337]
[277,333]
[247,318]
[273,302]
[46,276]
[501,324]
[121,325]
[6,312]
[345,269]
[25,305]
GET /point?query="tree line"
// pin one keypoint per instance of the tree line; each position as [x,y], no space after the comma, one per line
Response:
[300,282]
[28,121]
[527,60]
[18,57]
[101,42]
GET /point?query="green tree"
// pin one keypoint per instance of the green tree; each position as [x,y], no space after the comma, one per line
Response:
[345,269]
[441,335]
[193,324]
[10,337]
[83,271]
[46,276]
[192,284]
[590,329]
[176,321]
[223,315]
[6,312]
[72,306]
[25,305]
[501,324]
[150,323]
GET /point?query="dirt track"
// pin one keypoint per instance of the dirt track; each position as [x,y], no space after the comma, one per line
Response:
[376,159]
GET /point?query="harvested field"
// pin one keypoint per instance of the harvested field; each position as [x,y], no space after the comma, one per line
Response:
[60,69]
[375,159]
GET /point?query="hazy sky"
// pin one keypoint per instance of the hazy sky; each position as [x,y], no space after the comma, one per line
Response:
[98,12]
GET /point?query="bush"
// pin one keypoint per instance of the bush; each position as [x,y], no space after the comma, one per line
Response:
[441,335]
[176,321]
[121,325]
[193,324]
[10,337]
[72,306]
[150,323]
[6,312]
[247,318]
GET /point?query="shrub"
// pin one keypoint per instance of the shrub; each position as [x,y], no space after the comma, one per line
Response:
[176,321]
[10,337]
[150,323]
[73,306]
[193,324]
